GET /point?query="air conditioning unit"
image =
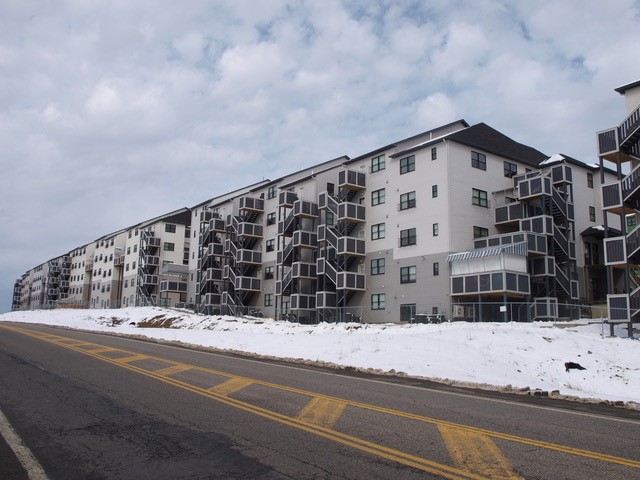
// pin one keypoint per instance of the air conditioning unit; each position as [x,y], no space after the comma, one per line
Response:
[458,311]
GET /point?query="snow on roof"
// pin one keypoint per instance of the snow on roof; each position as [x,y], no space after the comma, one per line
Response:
[553,159]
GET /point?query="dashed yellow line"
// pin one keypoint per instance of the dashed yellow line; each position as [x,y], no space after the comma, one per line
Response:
[132,358]
[233,385]
[173,369]
[322,411]
[477,453]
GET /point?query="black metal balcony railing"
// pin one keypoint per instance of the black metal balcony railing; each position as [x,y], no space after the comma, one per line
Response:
[630,128]
[607,141]
[631,183]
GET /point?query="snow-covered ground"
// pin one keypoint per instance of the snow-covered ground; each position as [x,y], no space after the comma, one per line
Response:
[522,357]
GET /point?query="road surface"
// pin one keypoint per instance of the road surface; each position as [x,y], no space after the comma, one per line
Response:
[95,406]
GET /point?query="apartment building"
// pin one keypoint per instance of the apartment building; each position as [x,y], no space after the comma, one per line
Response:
[620,145]
[457,222]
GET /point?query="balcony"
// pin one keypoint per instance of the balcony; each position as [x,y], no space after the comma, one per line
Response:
[150,279]
[510,213]
[247,283]
[303,302]
[153,242]
[534,187]
[151,260]
[305,209]
[212,299]
[351,180]
[351,212]
[303,239]
[253,257]
[505,282]
[173,286]
[350,246]
[212,275]
[608,143]
[252,204]
[326,299]
[287,199]
[118,261]
[561,174]
[615,251]
[303,270]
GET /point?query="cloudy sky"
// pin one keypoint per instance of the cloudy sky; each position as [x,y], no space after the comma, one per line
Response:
[113,112]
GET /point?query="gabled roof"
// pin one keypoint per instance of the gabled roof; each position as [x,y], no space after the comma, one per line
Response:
[485,138]
[626,87]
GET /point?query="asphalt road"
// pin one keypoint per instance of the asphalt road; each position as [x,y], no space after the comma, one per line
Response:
[92,406]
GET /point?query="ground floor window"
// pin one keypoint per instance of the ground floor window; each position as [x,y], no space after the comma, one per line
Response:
[407,312]
[378,301]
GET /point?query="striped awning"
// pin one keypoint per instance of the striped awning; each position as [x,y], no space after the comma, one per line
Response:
[519,248]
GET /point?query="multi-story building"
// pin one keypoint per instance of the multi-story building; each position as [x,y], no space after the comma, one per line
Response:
[621,199]
[456,222]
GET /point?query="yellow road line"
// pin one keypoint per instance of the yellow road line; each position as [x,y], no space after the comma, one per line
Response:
[477,453]
[173,369]
[133,358]
[100,349]
[492,434]
[234,384]
[322,411]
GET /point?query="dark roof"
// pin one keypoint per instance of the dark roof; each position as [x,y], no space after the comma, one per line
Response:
[485,138]
[626,87]
[598,232]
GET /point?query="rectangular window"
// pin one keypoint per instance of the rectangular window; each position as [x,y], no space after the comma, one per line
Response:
[407,164]
[377,266]
[408,274]
[377,163]
[133,265]
[378,301]
[268,300]
[479,232]
[169,247]
[135,248]
[268,273]
[270,245]
[330,218]
[510,169]
[434,191]
[377,231]
[407,200]
[377,197]
[434,153]
[435,229]
[271,218]
[271,192]
[407,312]
[128,250]
[589,179]
[408,237]
[479,160]
[592,214]
[170,227]
[479,197]
[436,269]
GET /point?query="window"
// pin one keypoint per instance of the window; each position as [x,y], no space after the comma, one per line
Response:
[434,191]
[479,160]
[126,284]
[271,192]
[434,153]
[589,179]
[268,300]
[377,163]
[592,214]
[270,245]
[268,273]
[407,312]
[135,248]
[479,232]
[128,250]
[407,200]
[479,197]
[408,274]
[377,197]
[408,237]
[378,301]
[377,266]
[377,231]
[436,269]
[330,218]
[271,218]
[407,164]
[435,229]
[133,265]
[510,169]
[169,228]
[169,247]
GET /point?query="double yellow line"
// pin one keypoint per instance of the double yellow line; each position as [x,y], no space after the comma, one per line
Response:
[472,449]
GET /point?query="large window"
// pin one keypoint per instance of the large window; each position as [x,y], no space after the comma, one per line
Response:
[479,160]
[407,164]
[170,227]
[479,232]
[268,273]
[377,197]
[169,247]
[408,274]
[271,218]
[377,231]
[268,300]
[408,237]
[479,197]
[407,200]
[271,192]
[510,169]
[377,163]
[378,301]
[377,266]
[270,245]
